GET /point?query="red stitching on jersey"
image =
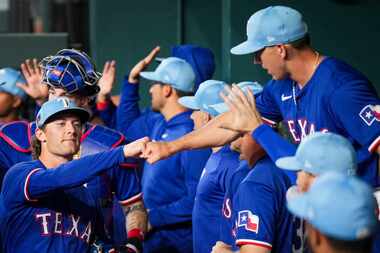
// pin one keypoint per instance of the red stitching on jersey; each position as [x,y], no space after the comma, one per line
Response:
[253,242]
[372,148]
[132,200]
[129,165]
[122,138]
[26,185]
[84,136]
[13,144]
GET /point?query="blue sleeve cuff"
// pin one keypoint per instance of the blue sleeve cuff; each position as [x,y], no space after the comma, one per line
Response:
[130,90]
[260,132]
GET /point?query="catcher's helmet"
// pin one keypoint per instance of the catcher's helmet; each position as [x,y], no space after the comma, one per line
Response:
[71,70]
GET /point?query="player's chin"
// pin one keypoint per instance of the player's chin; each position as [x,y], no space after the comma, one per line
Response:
[70,147]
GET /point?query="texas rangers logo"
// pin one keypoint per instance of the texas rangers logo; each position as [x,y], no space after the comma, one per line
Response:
[249,221]
[370,114]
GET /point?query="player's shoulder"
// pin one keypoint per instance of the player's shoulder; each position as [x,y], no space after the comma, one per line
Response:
[18,134]
[339,73]
[103,135]
[265,172]
[20,170]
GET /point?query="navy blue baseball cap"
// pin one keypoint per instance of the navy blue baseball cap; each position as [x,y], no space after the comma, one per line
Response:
[271,26]
[60,105]
[319,153]
[173,71]
[340,206]
[206,96]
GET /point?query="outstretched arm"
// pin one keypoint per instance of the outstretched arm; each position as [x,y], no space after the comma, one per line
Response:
[211,135]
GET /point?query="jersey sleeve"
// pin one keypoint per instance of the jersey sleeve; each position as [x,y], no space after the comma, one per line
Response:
[255,215]
[181,210]
[267,106]
[130,121]
[41,182]
[356,110]
[15,184]
[126,184]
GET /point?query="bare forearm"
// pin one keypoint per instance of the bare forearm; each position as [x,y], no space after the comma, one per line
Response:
[136,217]
[211,135]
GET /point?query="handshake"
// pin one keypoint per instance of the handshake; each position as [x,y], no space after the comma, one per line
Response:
[151,151]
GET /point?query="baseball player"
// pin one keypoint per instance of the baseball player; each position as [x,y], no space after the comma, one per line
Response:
[339,214]
[261,222]
[223,162]
[71,73]
[201,60]
[45,205]
[202,63]
[309,92]
[168,186]
[11,96]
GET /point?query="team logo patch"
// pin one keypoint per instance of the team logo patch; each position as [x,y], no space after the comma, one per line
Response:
[249,221]
[370,114]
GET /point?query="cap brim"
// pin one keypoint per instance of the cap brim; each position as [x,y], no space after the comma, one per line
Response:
[189,102]
[288,163]
[83,114]
[152,76]
[299,205]
[159,59]
[246,47]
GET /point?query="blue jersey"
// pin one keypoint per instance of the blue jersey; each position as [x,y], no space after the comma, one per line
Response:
[259,209]
[209,198]
[15,147]
[231,185]
[50,210]
[168,185]
[338,99]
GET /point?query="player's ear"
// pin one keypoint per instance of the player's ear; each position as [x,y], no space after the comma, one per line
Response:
[40,135]
[282,51]
[16,102]
[167,90]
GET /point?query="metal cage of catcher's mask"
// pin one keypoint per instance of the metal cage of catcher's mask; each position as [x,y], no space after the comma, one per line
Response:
[85,61]
[66,73]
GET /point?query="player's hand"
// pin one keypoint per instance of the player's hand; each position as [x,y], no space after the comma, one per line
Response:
[155,151]
[134,75]
[33,86]
[221,247]
[243,116]
[136,148]
[107,80]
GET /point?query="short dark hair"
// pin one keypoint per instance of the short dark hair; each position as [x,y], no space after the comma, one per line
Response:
[354,246]
[301,43]
[181,93]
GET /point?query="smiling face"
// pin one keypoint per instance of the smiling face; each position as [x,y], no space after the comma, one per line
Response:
[61,136]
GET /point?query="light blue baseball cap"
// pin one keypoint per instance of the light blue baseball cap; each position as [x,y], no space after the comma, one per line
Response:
[271,26]
[173,71]
[206,96]
[8,79]
[254,87]
[60,105]
[319,153]
[339,206]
